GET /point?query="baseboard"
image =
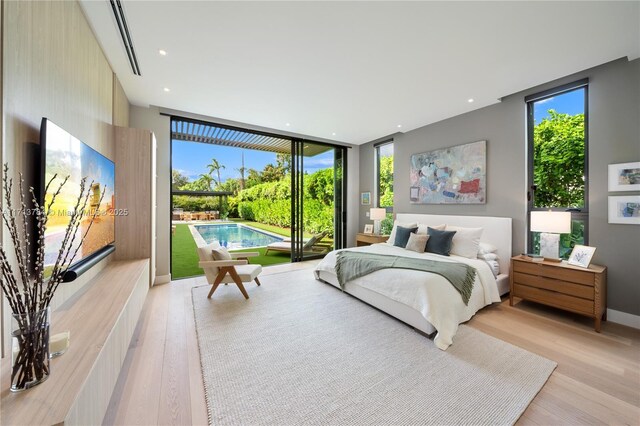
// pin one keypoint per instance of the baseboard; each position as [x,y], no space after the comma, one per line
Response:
[162,279]
[623,318]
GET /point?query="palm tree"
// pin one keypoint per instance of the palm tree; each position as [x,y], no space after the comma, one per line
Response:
[242,169]
[206,179]
[214,166]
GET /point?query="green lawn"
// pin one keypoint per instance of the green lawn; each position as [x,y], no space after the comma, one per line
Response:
[184,258]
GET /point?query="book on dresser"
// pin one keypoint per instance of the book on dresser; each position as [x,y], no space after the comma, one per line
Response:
[564,286]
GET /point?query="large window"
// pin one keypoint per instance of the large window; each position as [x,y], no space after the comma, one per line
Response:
[384,175]
[558,147]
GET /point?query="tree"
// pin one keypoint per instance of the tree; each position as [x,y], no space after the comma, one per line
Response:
[215,167]
[386,181]
[178,180]
[558,160]
[254,178]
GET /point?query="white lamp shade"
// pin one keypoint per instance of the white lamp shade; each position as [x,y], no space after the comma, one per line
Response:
[551,222]
[377,214]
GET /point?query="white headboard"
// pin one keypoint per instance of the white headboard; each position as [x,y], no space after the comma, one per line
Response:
[496,230]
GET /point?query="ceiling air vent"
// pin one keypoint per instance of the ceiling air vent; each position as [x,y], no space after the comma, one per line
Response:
[118,13]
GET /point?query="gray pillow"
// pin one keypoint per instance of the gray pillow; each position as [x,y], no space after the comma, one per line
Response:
[440,242]
[417,242]
[402,236]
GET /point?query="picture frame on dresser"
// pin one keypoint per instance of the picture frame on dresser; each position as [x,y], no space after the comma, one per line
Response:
[368,229]
[581,256]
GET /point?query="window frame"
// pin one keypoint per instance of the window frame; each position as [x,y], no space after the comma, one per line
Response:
[581,214]
[377,147]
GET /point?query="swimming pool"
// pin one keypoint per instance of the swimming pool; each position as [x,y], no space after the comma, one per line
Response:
[235,235]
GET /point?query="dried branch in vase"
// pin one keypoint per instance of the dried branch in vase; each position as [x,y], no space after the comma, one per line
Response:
[28,290]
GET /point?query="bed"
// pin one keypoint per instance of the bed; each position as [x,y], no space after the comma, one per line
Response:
[424,300]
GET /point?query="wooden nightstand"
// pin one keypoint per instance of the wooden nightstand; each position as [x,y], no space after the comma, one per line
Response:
[363,239]
[572,288]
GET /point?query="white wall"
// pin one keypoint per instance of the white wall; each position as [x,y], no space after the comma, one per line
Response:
[150,118]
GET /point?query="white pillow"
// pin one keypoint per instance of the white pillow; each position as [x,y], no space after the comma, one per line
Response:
[488,256]
[494,266]
[465,241]
[392,237]
[422,228]
[486,248]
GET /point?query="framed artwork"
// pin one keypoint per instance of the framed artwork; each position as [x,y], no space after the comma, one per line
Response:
[624,177]
[365,198]
[368,229]
[581,256]
[624,209]
[454,175]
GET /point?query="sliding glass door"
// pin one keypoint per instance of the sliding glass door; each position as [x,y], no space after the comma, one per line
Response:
[317,208]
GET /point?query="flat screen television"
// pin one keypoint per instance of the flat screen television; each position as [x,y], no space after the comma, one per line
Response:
[64,155]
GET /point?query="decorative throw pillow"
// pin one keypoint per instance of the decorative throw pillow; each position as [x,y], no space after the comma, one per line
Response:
[422,228]
[221,254]
[485,248]
[402,235]
[392,236]
[488,256]
[417,242]
[439,242]
[466,241]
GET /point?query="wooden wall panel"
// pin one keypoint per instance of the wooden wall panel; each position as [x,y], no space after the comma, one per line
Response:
[120,104]
[53,67]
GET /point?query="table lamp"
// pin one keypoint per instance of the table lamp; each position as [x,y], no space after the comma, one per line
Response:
[550,225]
[377,215]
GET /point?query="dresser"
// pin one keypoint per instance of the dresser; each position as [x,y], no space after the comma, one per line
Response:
[564,286]
[363,239]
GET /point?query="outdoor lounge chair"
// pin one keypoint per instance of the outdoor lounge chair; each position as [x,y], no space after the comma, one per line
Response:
[312,245]
[234,270]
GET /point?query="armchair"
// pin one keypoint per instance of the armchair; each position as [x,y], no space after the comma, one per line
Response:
[235,270]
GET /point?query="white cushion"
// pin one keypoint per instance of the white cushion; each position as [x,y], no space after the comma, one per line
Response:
[465,241]
[423,228]
[246,272]
[221,253]
[205,253]
[392,237]
[488,256]
[485,248]
[417,242]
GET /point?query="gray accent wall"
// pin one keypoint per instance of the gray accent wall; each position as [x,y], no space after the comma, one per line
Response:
[614,137]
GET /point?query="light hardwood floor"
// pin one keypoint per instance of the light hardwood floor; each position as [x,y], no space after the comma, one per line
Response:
[597,380]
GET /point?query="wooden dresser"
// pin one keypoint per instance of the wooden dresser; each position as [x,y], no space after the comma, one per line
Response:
[572,288]
[363,239]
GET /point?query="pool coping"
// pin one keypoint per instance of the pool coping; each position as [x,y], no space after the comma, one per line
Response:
[200,242]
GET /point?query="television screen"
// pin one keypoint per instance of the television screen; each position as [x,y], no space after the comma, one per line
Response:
[64,155]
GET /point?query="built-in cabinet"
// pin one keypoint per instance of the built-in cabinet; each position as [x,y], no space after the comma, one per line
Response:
[135,152]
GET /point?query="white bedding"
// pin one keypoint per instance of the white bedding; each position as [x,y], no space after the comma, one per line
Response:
[430,294]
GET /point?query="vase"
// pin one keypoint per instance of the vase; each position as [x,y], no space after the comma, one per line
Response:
[30,349]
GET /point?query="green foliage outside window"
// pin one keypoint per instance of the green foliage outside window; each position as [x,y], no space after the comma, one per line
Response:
[386,180]
[558,161]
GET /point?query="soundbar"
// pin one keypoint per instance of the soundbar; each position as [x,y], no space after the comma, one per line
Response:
[85,264]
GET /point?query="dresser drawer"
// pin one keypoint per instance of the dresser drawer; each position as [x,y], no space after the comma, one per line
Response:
[564,274]
[565,287]
[552,298]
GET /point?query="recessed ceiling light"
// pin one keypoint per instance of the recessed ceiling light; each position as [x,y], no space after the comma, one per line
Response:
[288,124]
[166,89]
[162,52]
[333,134]
[470,100]
[399,125]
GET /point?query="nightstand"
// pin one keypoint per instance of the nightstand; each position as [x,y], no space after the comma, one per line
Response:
[564,286]
[363,239]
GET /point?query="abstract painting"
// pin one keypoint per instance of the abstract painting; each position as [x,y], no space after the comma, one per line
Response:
[454,175]
[624,209]
[624,177]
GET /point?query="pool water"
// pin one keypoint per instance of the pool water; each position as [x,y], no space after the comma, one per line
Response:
[235,236]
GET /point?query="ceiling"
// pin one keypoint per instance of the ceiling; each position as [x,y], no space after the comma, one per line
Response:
[355,71]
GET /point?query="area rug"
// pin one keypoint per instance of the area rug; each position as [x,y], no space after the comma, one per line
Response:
[300,351]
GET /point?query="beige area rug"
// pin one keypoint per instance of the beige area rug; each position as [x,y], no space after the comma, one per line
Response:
[300,351]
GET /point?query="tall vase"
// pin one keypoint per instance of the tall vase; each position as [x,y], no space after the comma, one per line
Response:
[30,349]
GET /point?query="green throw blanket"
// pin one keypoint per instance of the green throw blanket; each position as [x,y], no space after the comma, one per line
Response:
[351,265]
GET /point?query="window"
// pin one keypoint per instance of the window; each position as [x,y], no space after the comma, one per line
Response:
[384,175]
[558,161]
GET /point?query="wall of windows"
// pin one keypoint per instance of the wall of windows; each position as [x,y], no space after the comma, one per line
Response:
[557,160]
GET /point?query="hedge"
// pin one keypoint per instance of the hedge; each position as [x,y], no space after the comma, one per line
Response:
[317,216]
